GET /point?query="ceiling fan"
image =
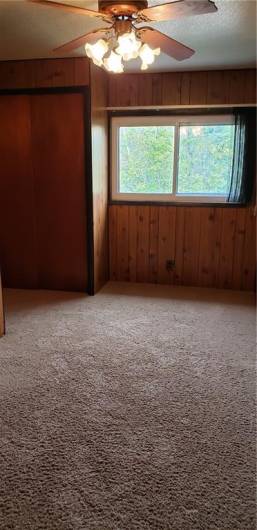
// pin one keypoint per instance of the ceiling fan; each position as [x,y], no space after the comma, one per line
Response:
[122,40]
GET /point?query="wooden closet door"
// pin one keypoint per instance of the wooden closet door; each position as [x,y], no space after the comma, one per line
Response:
[59,173]
[18,259]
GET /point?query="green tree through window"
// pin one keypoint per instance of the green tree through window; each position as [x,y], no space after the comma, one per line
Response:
[174,157]
[146,159]
[205,159]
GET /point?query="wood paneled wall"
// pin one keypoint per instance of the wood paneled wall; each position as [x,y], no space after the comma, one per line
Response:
[44,73]
[211,246]
[183,88]
[99,132]
[2,326]
[68,73]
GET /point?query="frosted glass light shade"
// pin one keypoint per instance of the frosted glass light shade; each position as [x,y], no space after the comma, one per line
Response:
[97,51]
[129,46]
[113,63]
[147,55]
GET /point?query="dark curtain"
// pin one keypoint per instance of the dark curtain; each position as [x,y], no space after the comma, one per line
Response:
[244,157]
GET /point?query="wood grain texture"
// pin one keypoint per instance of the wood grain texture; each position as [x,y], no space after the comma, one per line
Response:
[183,88]
[99,134]
[18,257]
[59,183]
[211,246]
[44,73]
[2,323]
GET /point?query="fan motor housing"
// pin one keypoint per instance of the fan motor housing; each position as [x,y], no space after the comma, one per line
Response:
[127,8]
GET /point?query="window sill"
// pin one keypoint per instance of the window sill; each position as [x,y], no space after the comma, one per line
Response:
[126,202]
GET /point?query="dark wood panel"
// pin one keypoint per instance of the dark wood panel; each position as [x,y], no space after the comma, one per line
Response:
[122,244]
[187,88]
[210,234]
[142,243]
[211,246]
[17,214]
[166,243]
[153,244]
[132,242]
[58,158]
[191,245]
[44,73]
[249,255]
[2,323]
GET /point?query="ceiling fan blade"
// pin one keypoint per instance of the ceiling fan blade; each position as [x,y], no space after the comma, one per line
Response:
[177,9]
[171,47]
[89,38]
[73,9]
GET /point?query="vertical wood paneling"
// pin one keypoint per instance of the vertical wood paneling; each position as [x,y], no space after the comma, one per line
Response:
[166,248]
[179,246]
[1,310]
[191,245]
[44,73]
[250,86]
[132,243]
[113,241]
[142,243]
[237,87]
[59,180]
[227,248]
[186,88]
[153,243]
[198,88]
[81,71]
[156,90]
[211,246]
[249,255]
[171,87]
[145,90]
[217,88]
[210,232]
[122,244]
[239,248]
[18,254]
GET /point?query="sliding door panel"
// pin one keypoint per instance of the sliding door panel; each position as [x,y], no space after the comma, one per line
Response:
[18,260]
[59,176]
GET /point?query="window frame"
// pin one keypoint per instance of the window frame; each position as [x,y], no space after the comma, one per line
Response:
[169,120]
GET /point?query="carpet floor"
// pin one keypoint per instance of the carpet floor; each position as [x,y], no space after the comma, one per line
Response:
[130,410]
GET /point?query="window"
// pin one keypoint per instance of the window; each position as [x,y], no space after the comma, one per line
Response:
[172,158]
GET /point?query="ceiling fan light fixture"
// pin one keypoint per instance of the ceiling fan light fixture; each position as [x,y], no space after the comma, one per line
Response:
[97,51]
[128,46]
[113,63]
[122,40]
[147,55]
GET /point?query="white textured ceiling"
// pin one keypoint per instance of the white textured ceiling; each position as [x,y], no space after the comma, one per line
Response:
[226,39]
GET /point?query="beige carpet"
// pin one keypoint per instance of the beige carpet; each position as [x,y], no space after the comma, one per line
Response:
[130,410]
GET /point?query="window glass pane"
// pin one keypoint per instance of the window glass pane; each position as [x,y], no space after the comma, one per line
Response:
[205,159]
[146,159]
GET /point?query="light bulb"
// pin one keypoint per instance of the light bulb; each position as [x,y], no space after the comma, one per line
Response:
[97,51]
[147,55]
[129,46]
[113,63]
